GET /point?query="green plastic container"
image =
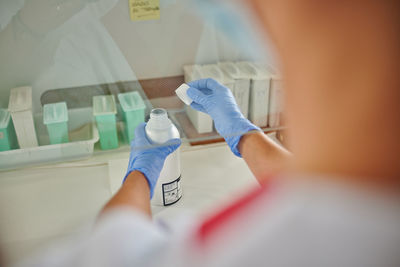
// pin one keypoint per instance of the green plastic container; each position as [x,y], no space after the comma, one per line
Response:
[104,110]
[8,138]
[133,109]
[55,117]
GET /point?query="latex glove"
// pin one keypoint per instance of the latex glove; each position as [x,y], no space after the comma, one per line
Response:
[216,100]
[149,158]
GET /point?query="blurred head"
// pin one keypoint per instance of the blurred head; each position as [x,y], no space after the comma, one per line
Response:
[340,61]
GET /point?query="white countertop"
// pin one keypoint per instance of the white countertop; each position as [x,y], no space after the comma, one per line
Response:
[41,204]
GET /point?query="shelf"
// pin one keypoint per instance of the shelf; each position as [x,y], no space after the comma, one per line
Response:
[158,93]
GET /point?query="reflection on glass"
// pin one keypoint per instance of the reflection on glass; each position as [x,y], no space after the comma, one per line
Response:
[72,50]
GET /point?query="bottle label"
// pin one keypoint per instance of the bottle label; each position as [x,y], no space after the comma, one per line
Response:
[172,192]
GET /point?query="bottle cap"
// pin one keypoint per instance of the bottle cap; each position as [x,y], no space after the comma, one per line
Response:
[181,92]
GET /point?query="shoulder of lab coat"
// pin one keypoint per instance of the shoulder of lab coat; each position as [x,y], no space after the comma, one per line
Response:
[120,237]
[124,237]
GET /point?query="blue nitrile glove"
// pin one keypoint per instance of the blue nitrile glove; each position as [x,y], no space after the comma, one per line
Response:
[216,100]
[149,158]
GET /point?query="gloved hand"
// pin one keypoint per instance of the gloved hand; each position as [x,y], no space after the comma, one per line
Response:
[149,158]
[217,101]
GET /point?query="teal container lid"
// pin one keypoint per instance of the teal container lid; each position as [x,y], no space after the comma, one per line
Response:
[104,105]
[4,118]
[55,113]
[131,101]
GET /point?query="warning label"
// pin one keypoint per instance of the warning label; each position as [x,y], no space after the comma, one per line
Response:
[172,192]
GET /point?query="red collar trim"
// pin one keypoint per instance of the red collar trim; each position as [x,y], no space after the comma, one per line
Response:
[210,226]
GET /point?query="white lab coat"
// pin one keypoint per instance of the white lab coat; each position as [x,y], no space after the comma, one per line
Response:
[285,225]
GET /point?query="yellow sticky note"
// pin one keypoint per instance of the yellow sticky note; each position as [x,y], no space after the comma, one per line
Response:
[144,9]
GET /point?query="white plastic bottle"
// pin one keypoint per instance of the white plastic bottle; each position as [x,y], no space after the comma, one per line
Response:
[160,129]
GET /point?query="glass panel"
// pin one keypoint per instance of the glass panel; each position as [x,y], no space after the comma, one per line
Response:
[72,50]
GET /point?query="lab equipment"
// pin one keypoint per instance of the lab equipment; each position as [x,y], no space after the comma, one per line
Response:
[8,138]
[104,110]
[55,117]
[191,72]
[213,71]
[202,122]
[181,93]
[159,130]
[20,108]
[83,134]
[133,109]
[275,99]
[259,91]
[221,106]
[155,153]
[241,87]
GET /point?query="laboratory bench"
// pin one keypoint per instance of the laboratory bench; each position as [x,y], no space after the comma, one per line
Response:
[42,204]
